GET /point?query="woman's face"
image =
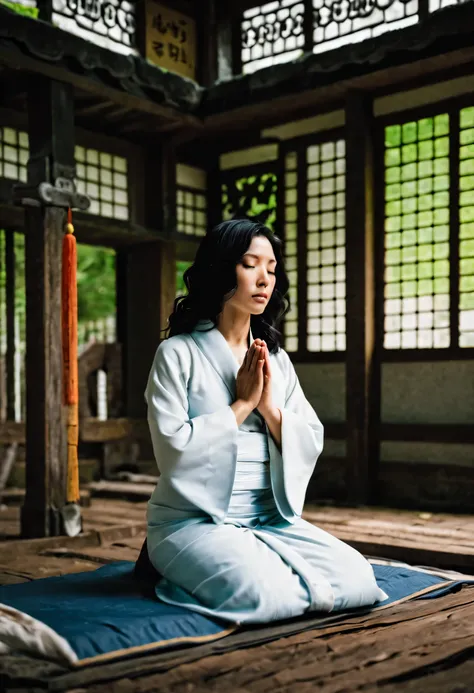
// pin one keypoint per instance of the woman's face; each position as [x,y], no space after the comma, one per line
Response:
[255,277]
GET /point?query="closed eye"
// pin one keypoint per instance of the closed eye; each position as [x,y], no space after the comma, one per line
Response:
[253,267]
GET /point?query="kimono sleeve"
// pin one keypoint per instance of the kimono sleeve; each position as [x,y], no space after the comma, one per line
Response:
[302,437]
[196,456]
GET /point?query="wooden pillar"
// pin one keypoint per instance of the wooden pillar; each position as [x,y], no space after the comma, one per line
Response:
[10,306]
[207,43]
[51,138]
[146,279]
[45,8]
[145,275]
[363,360]
[214,191]
[228,41]
[308,26]
[159,187]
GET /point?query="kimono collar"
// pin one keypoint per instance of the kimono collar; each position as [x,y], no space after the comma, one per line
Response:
[213,345]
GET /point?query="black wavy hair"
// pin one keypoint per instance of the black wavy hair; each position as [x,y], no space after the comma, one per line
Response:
[212,279]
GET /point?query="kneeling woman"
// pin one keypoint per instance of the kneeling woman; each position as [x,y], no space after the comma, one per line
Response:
[236,443]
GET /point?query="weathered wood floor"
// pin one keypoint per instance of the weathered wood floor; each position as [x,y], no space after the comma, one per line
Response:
[421,647]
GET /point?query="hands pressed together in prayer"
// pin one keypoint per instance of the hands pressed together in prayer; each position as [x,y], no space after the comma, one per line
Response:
[254,377]
[254,388]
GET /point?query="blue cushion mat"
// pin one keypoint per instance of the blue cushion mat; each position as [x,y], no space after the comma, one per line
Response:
[102,611]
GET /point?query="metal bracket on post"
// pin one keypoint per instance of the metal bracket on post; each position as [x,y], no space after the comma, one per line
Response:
[61,194]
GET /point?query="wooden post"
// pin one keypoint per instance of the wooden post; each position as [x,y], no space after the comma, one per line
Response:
[308,26]
[363,361]
[228,41]
[159,187]
[146,279]
[45,8]
[51,137]
[207,43]
[214,191]
[145,275]
[3,375]
[10,305]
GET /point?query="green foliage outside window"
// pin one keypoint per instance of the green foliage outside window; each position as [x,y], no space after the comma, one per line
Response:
[419,198]
[95,282]
[181,267]
[252,196]
[21,9]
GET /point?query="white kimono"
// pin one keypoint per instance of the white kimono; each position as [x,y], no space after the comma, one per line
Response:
[224,521]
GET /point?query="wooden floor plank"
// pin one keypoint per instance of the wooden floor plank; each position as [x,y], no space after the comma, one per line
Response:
[99,554]
[34,566]
[457,678]
[377,526]
[419,538]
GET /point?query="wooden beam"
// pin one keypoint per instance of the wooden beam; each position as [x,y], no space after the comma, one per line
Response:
[454,207]
[428,433]
[91,430]
[428,355]
[20,61]
[95,109]
[95,431]
[310,101]
[51,138]
[302,249]
[363,361]
[10,306]
[90,228]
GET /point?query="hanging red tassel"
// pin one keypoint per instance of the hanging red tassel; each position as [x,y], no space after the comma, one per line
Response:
[69,346]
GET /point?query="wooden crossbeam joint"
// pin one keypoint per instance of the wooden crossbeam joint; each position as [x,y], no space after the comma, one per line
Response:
[62,194]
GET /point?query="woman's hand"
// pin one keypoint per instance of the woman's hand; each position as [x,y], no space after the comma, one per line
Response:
[265,406]
[249,381]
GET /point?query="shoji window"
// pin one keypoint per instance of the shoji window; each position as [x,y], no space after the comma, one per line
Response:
[314,223]
[104,178]
[417,233]
[326,271]
[14,154]
[429,231]
[191,200]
